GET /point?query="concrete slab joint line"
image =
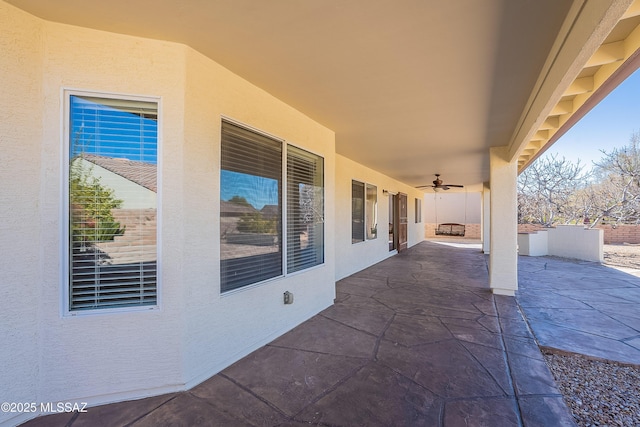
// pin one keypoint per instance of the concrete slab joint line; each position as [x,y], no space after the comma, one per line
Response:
[415,340]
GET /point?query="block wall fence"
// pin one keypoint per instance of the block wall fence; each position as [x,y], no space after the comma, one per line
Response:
[612,234]
[471,231]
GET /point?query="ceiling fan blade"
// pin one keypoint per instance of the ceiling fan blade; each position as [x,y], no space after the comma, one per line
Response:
[424,186]
[457,186]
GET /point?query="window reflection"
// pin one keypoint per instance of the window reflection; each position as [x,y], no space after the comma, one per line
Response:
[250,208]
[112,202]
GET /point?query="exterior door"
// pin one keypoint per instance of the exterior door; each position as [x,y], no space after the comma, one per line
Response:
[402,222]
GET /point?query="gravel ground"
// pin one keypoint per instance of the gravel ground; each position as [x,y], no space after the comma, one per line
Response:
[601,393]
[598,393]
[624,255]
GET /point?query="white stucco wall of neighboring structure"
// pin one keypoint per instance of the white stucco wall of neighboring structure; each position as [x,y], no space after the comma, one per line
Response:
[133,196]
[48,356]
[353,257]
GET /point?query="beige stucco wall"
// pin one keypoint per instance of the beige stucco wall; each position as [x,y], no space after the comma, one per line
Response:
[21,50]
[350,257]
[107,357]
[567,241]
[47,355]
[212,92]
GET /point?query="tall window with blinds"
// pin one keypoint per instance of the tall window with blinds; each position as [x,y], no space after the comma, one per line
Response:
[364,211]
[371,213]
[357,211]
[112,202]
[305,209]
[250,208]
[259,176]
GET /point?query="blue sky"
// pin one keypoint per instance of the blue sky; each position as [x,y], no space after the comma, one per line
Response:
[110,132]
[608,125]
[258,191]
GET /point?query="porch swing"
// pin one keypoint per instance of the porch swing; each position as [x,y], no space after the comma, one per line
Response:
[450,228]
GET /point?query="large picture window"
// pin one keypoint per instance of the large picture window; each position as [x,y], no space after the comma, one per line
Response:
[254,235]
[250,207]
[112,202]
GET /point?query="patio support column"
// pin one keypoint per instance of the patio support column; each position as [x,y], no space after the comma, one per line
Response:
[503,235]
[485,214]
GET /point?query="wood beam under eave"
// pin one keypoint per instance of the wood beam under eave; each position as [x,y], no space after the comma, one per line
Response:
[634,10]
[562,107]
[606,54]
[579,86]
[541,135]
[550,123]
[566,121]
[632,42]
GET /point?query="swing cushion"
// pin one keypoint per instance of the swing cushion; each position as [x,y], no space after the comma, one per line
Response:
[450,229]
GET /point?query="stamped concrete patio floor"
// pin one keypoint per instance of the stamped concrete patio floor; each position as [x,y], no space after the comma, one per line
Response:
[582,307]
[416,340]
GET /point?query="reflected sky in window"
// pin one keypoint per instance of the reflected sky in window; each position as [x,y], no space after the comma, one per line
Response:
[109,131]
[258,191]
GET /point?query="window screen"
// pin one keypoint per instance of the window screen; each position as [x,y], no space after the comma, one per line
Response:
[112,194]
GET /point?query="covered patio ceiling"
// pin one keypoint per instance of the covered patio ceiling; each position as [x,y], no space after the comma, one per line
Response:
[411,87]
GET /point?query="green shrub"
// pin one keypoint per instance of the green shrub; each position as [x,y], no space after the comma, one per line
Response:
[91,204]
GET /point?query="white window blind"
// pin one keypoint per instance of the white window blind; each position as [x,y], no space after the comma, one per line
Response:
[305,209]
[250,208]
[112,193]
